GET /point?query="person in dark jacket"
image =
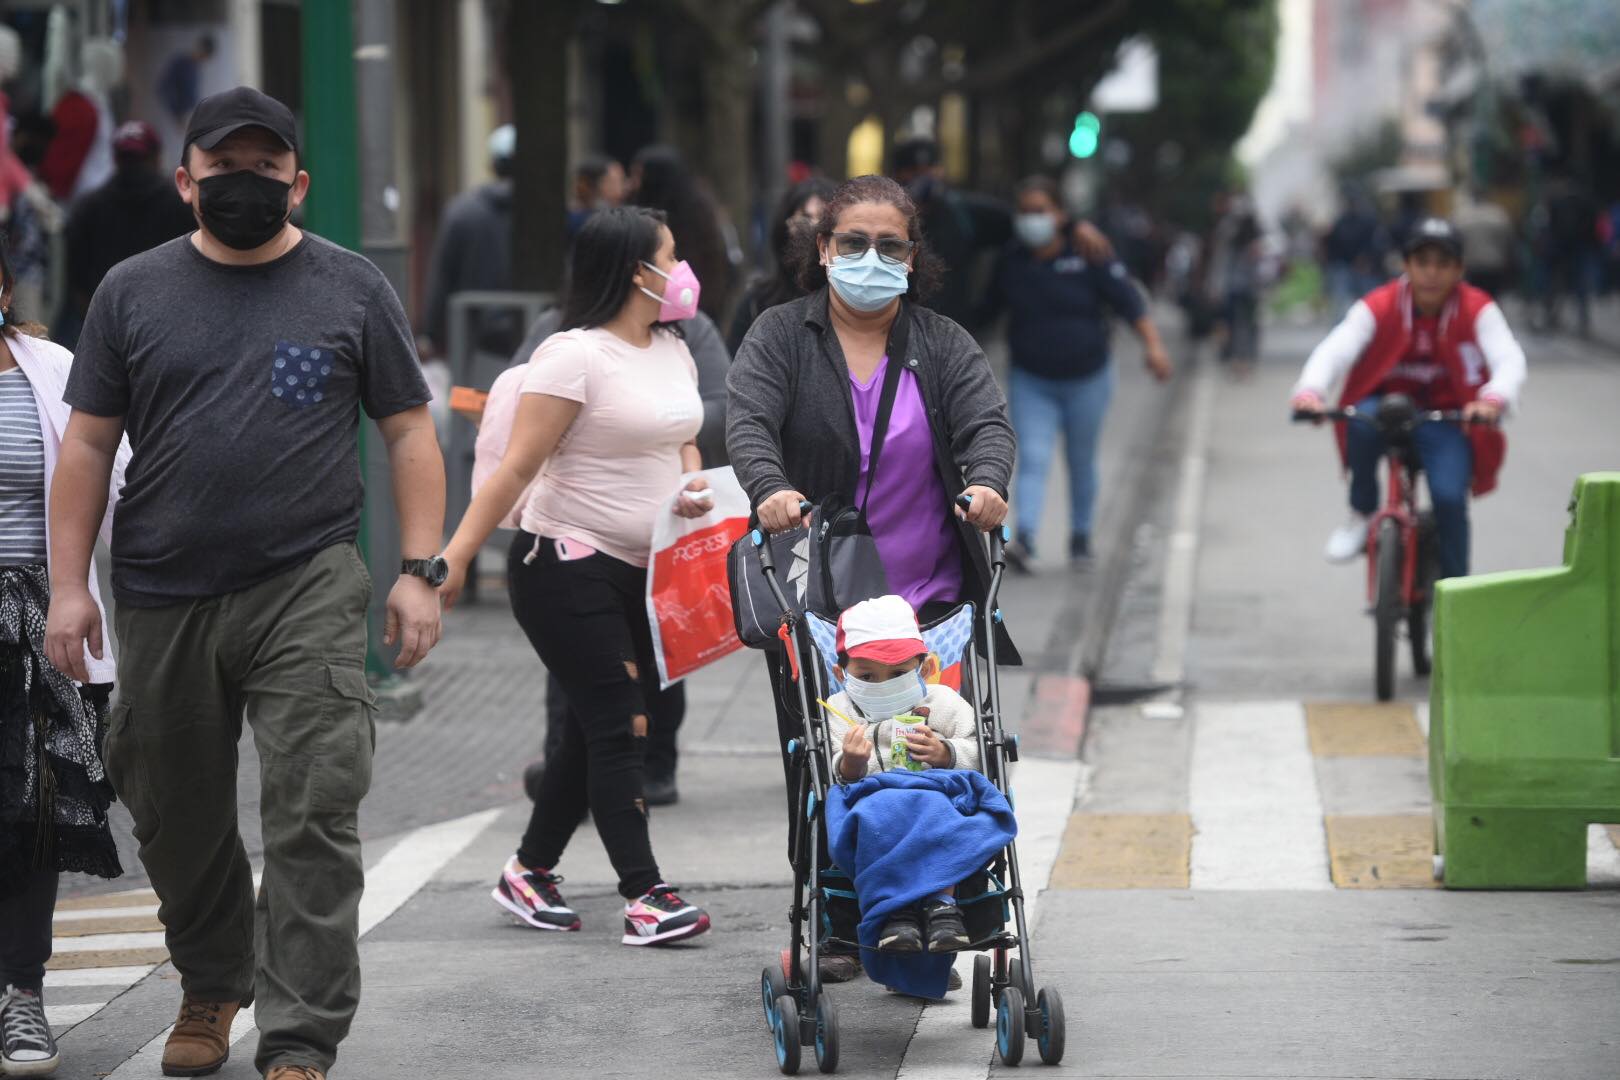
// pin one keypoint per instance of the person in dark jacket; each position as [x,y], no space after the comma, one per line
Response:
[660,179]
[803,396]
[135,211]
[1058,304]
[474,252]
[799,208]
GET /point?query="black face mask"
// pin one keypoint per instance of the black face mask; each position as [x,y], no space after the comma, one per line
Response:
[243,210]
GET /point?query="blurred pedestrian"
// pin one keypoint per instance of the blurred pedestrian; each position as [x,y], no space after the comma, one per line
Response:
[54,792]
[806,389]
[1569,250]
[962,227]
[659,179]
[798,209]
[609,408]
[1235,270]
[1353,252]
[180,85]
[1487,235]
[1058,305]
[80,156]
[239,359]
[474,252]
[135,211]
[599,184]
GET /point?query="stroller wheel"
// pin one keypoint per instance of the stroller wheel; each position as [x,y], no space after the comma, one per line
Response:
[1010,1026]
[786,1030]
[772,985]
[826,1034]
[1050,1043]
[981,991]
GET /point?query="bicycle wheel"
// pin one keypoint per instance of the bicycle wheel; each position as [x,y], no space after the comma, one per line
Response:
[1387,607]
[1417,619]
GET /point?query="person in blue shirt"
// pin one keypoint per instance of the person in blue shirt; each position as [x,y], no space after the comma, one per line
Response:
[1058,305]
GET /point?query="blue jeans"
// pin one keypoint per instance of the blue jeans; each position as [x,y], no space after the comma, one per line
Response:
[1041,408]
[1448,461]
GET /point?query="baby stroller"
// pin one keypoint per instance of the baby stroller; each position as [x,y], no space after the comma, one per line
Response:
[797,1008]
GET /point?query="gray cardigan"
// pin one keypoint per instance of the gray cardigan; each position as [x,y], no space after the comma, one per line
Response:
[790,414]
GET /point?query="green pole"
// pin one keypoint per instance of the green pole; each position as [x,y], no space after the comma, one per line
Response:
[331,154]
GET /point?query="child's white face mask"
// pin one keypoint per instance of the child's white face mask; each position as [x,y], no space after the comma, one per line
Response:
[882,700]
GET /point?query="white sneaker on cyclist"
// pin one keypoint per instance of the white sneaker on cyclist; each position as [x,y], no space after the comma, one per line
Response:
[1349,540]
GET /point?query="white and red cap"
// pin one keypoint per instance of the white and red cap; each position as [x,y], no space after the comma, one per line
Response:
[882,629]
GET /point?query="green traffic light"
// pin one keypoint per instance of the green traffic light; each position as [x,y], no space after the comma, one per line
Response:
[1087,132]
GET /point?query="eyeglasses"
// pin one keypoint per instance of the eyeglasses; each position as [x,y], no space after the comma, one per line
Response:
[889,248]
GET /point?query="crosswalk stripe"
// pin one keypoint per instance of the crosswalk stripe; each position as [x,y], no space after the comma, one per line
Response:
[84,914]
[60,1016]
[102,942]
[1254,801]
[98,976]
[131,898]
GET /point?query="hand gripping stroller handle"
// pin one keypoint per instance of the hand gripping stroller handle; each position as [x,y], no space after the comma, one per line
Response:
[998,536]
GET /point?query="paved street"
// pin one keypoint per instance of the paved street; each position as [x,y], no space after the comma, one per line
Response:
[1236,876]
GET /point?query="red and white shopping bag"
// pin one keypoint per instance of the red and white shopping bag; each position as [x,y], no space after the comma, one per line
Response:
[688,596]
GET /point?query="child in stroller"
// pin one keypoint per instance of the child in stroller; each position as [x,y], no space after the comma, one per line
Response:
[890,715]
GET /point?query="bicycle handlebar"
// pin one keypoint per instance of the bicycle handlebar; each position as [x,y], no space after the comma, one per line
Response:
[1350,412]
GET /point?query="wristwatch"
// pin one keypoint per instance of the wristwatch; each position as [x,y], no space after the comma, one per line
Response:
[433,571]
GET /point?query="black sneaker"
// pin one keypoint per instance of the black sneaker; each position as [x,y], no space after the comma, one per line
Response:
[26,1045]
[1079,547]
[901,933]
[660,791]
[946,931]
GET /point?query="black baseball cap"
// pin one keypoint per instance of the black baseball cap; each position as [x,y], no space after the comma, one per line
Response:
[1435,232]
[219,115]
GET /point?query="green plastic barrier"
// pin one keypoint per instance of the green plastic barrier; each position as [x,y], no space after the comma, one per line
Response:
[1524,739]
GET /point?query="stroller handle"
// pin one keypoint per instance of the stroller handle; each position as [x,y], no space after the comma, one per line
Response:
[998,536]
[758,537]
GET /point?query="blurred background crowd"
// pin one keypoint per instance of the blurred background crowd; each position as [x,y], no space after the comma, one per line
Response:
[1248,158]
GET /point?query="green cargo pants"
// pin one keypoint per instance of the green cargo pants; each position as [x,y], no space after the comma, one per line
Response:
[288,655]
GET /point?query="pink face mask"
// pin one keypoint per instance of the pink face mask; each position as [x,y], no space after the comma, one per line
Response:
[681,292]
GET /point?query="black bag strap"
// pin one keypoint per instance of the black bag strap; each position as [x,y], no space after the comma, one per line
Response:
[899,338]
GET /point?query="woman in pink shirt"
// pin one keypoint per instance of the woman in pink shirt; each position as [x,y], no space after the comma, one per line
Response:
[607,419]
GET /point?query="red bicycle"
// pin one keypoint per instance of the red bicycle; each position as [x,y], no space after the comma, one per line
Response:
[1402,559]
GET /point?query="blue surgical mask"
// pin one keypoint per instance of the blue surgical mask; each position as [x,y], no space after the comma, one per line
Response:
[1035,230]
[868,282]
[882,700]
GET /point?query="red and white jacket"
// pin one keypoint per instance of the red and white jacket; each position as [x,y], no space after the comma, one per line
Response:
[1479,353]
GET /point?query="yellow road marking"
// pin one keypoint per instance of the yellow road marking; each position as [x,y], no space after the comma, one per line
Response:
[1381,852]
[130,924]
[107,958]
[1124,851]
[1356,730]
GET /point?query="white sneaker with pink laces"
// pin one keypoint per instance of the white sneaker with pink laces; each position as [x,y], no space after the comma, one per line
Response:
[660,916]
[532,896]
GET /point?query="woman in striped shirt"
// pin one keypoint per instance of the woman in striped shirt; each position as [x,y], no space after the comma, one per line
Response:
[53,791]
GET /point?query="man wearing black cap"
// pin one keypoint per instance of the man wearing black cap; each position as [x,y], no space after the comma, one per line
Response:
[238,359]
[133,212]
[1446,345]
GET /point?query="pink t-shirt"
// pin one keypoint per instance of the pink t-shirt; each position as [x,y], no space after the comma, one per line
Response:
[619,463]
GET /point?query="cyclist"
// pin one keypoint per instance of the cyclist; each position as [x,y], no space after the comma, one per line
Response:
[1446,345]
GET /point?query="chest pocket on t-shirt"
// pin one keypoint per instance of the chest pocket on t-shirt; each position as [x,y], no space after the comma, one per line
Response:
[299,374]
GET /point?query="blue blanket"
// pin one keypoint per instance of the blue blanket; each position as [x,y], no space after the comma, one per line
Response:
[906,836]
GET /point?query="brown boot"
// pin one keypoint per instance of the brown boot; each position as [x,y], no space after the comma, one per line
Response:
[294,1072]
[201,1039]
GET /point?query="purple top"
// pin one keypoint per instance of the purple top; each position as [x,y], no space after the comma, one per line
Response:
[908,512]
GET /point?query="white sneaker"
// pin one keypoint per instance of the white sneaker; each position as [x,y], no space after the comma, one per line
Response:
[26,1045]
[660,916]
[1349,540]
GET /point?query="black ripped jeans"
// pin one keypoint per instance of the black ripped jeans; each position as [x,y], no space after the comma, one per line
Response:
[587,618]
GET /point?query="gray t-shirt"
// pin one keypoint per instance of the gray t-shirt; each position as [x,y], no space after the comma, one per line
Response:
[239,389]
